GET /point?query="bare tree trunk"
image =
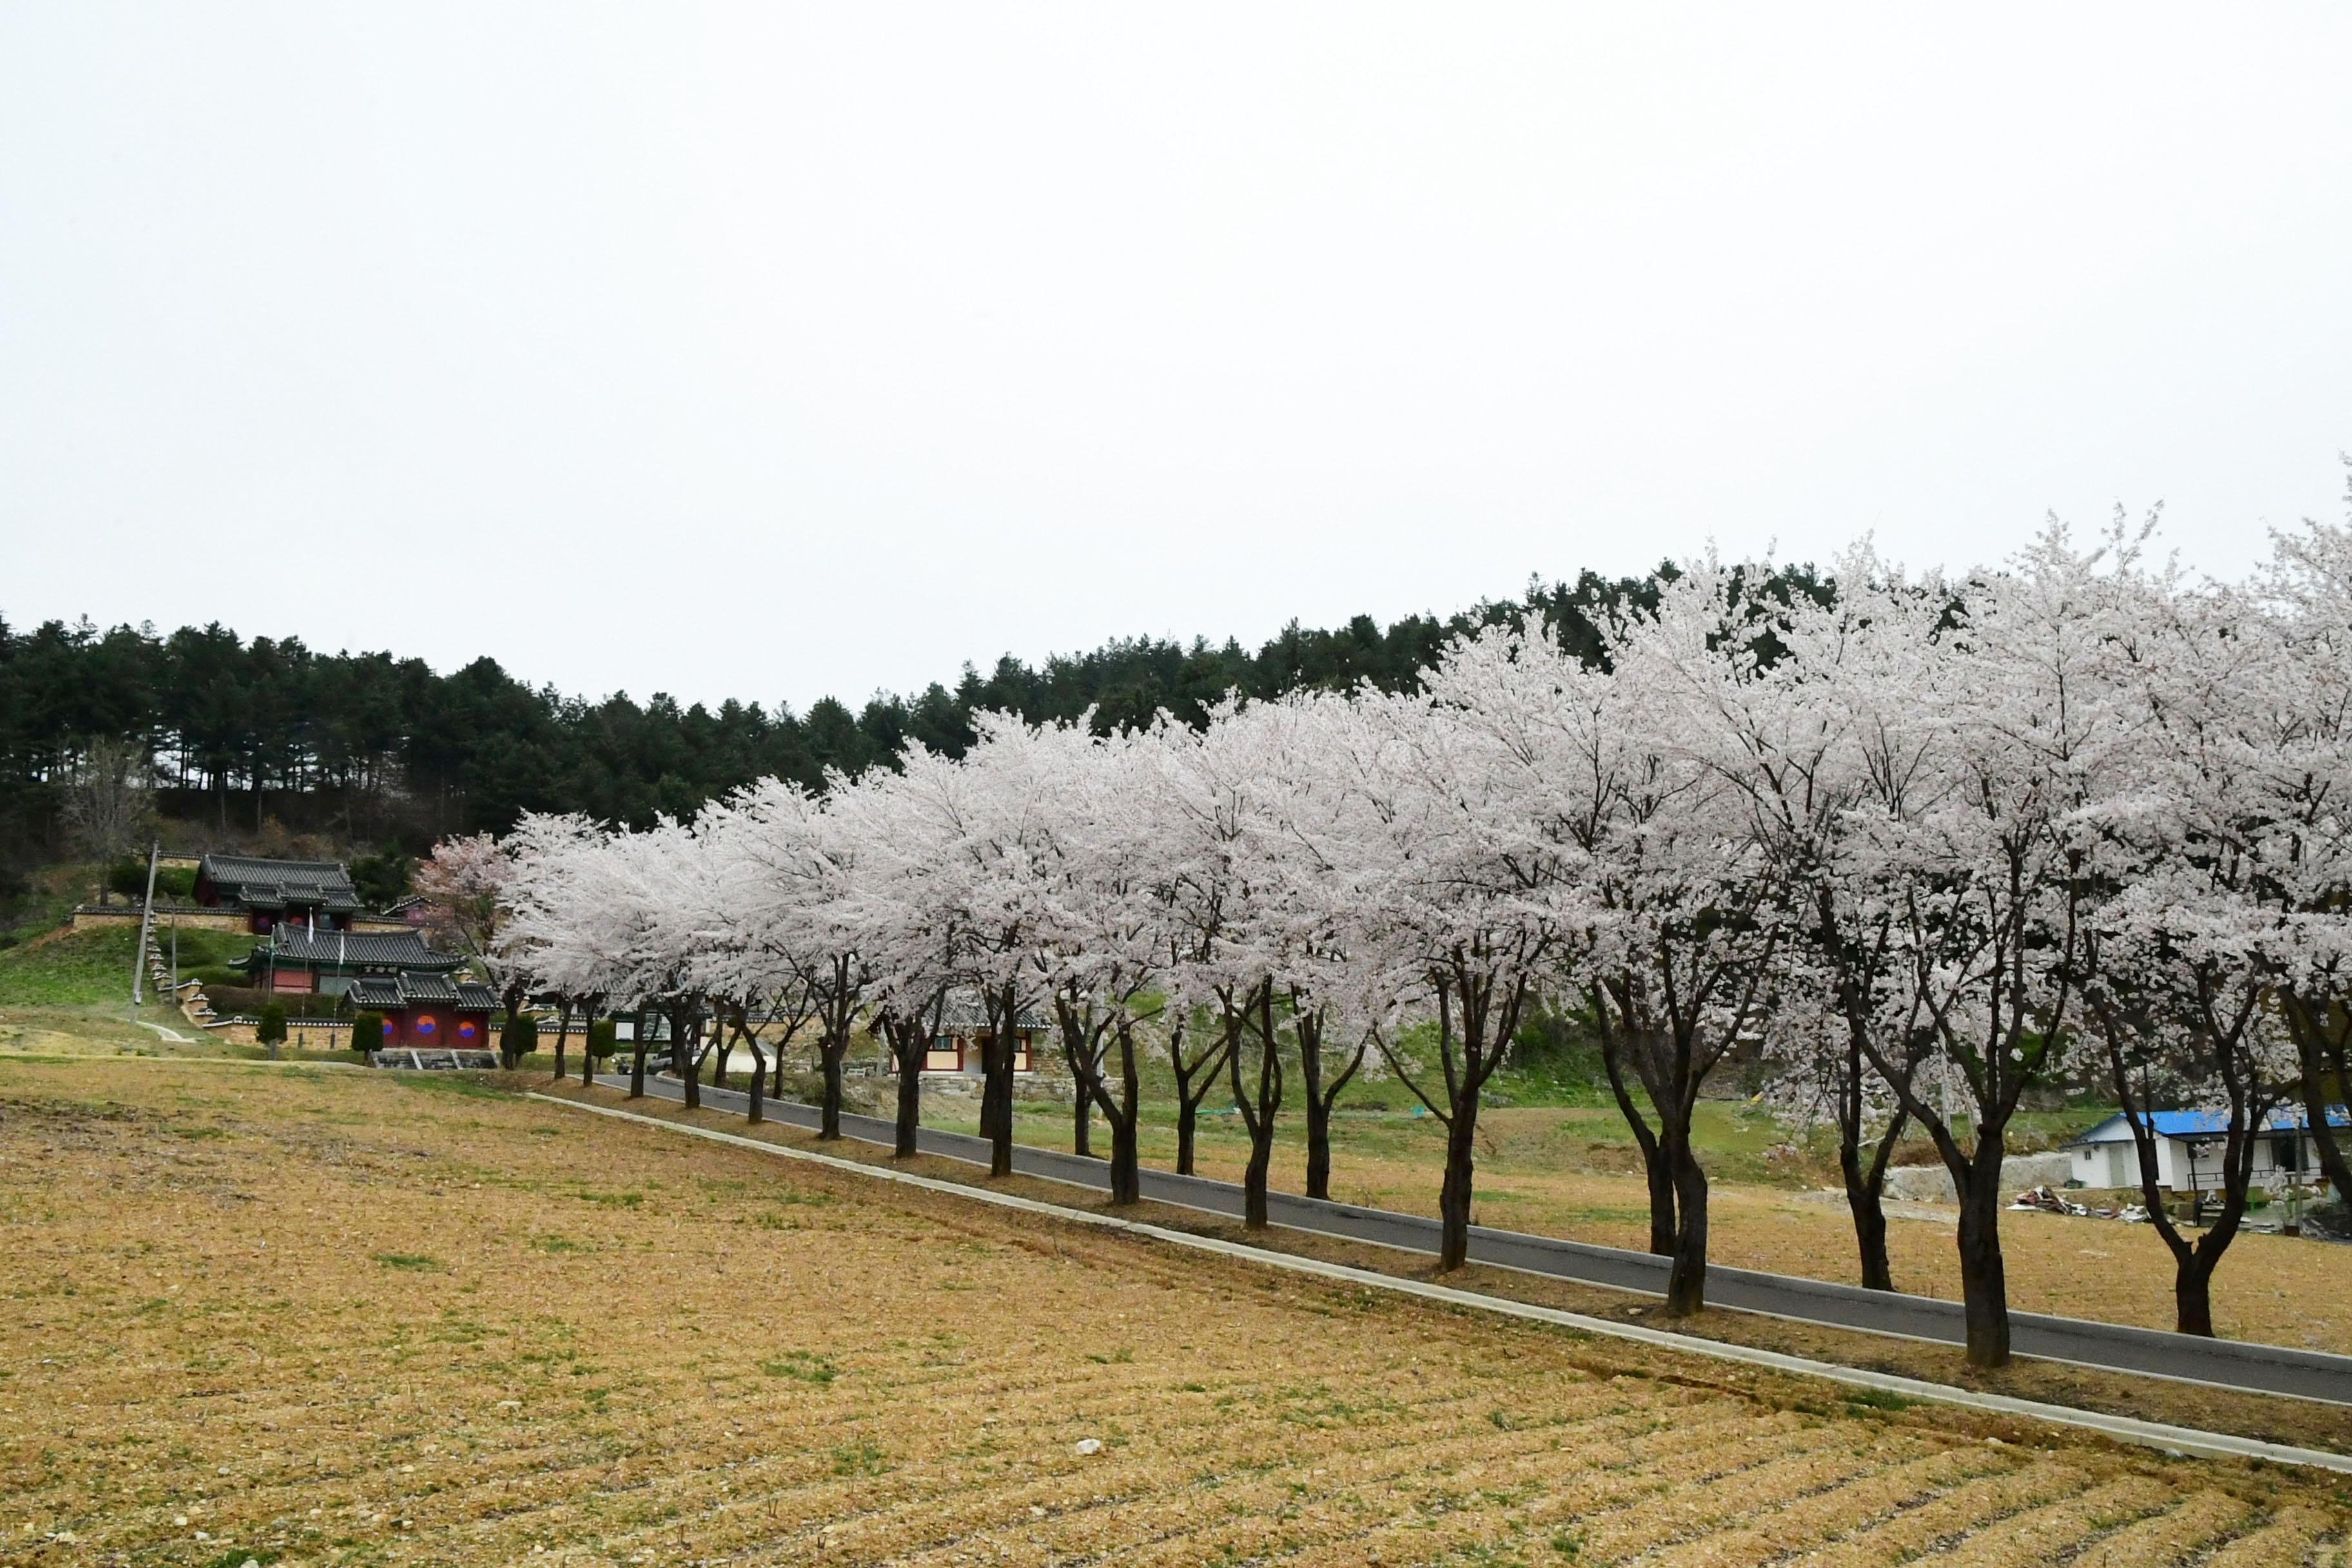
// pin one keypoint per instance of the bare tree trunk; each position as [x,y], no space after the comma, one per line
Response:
[1084,1033]
[1321,1099]
[910,1107]
[1319,1113]
[685,1034]
[1258,1108]
[1188,1127]
[759,1083]
[1454,1193]
[1662,1225]
[2320,1029]
[1865,1187]
[909,1042]
[1984,1280]
[2192,1263]
[1202,1071]
[1863,1201]
[637,1067]
[996,1085]
[829,1114]
[1125,1172]
[1686,1280]
[563,1031]
[996,1095]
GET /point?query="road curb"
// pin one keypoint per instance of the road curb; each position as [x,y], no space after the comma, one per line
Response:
[2123,1428]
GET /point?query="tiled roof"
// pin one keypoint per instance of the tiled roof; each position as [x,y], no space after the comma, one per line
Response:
[411,990]
[364,949]
[375,991]
[419,988]
[2202,1123]
[963,1014]
[281,884]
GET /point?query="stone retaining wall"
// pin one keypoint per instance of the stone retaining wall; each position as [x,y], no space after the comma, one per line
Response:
[1933,1184]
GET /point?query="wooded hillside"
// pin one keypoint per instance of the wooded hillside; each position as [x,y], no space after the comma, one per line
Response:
[372,748]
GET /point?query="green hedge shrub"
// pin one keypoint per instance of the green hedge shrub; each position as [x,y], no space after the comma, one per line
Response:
[367,1031]
[518,1039]
[271,1031]
[603,1040]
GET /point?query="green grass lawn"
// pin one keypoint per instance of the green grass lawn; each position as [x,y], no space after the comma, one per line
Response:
[92,968]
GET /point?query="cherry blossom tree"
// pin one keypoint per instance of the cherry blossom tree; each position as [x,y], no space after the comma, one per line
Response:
[465,879]
[788,865]
[2299,736]
[583,918]
[1444,895]
[1243,935]
[2176,981]
[1814,742]
[1666,915]
[960,852]
[907,937]
[1104,933]
[2016,740]
[545,936]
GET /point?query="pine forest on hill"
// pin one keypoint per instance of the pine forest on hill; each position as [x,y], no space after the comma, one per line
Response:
[370,749]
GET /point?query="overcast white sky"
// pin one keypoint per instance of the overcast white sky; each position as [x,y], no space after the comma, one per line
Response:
[777,350]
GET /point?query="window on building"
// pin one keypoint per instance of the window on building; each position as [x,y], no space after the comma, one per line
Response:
[2286,1152]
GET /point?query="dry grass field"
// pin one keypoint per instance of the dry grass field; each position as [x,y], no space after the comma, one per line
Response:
[312,1317]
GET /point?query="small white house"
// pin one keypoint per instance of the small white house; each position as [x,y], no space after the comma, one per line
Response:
[2190,1145]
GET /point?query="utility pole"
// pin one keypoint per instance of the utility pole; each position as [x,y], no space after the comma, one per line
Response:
[146,925]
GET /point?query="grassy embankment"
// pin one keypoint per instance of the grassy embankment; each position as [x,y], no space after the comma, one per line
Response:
[69,992]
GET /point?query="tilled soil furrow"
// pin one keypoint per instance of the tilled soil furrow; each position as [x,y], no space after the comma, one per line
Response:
[1701,1510]
[1806,1522]
[2041,1535]
[2187,1532]
[2288,1539]
[2022,1484]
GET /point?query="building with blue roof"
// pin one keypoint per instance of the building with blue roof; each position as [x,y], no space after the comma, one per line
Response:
[2190,1145]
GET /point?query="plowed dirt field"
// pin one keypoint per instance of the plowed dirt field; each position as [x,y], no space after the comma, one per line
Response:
[304,1317]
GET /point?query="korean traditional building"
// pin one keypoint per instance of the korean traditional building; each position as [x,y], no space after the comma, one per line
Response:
[424,1011]
[316,895]
[418,991]
[960,1046]
[298,960]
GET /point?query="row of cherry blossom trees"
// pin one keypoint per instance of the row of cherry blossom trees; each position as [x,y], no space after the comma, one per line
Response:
[1913,846]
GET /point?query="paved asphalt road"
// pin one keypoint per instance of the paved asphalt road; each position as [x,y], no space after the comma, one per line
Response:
[2264,1369]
